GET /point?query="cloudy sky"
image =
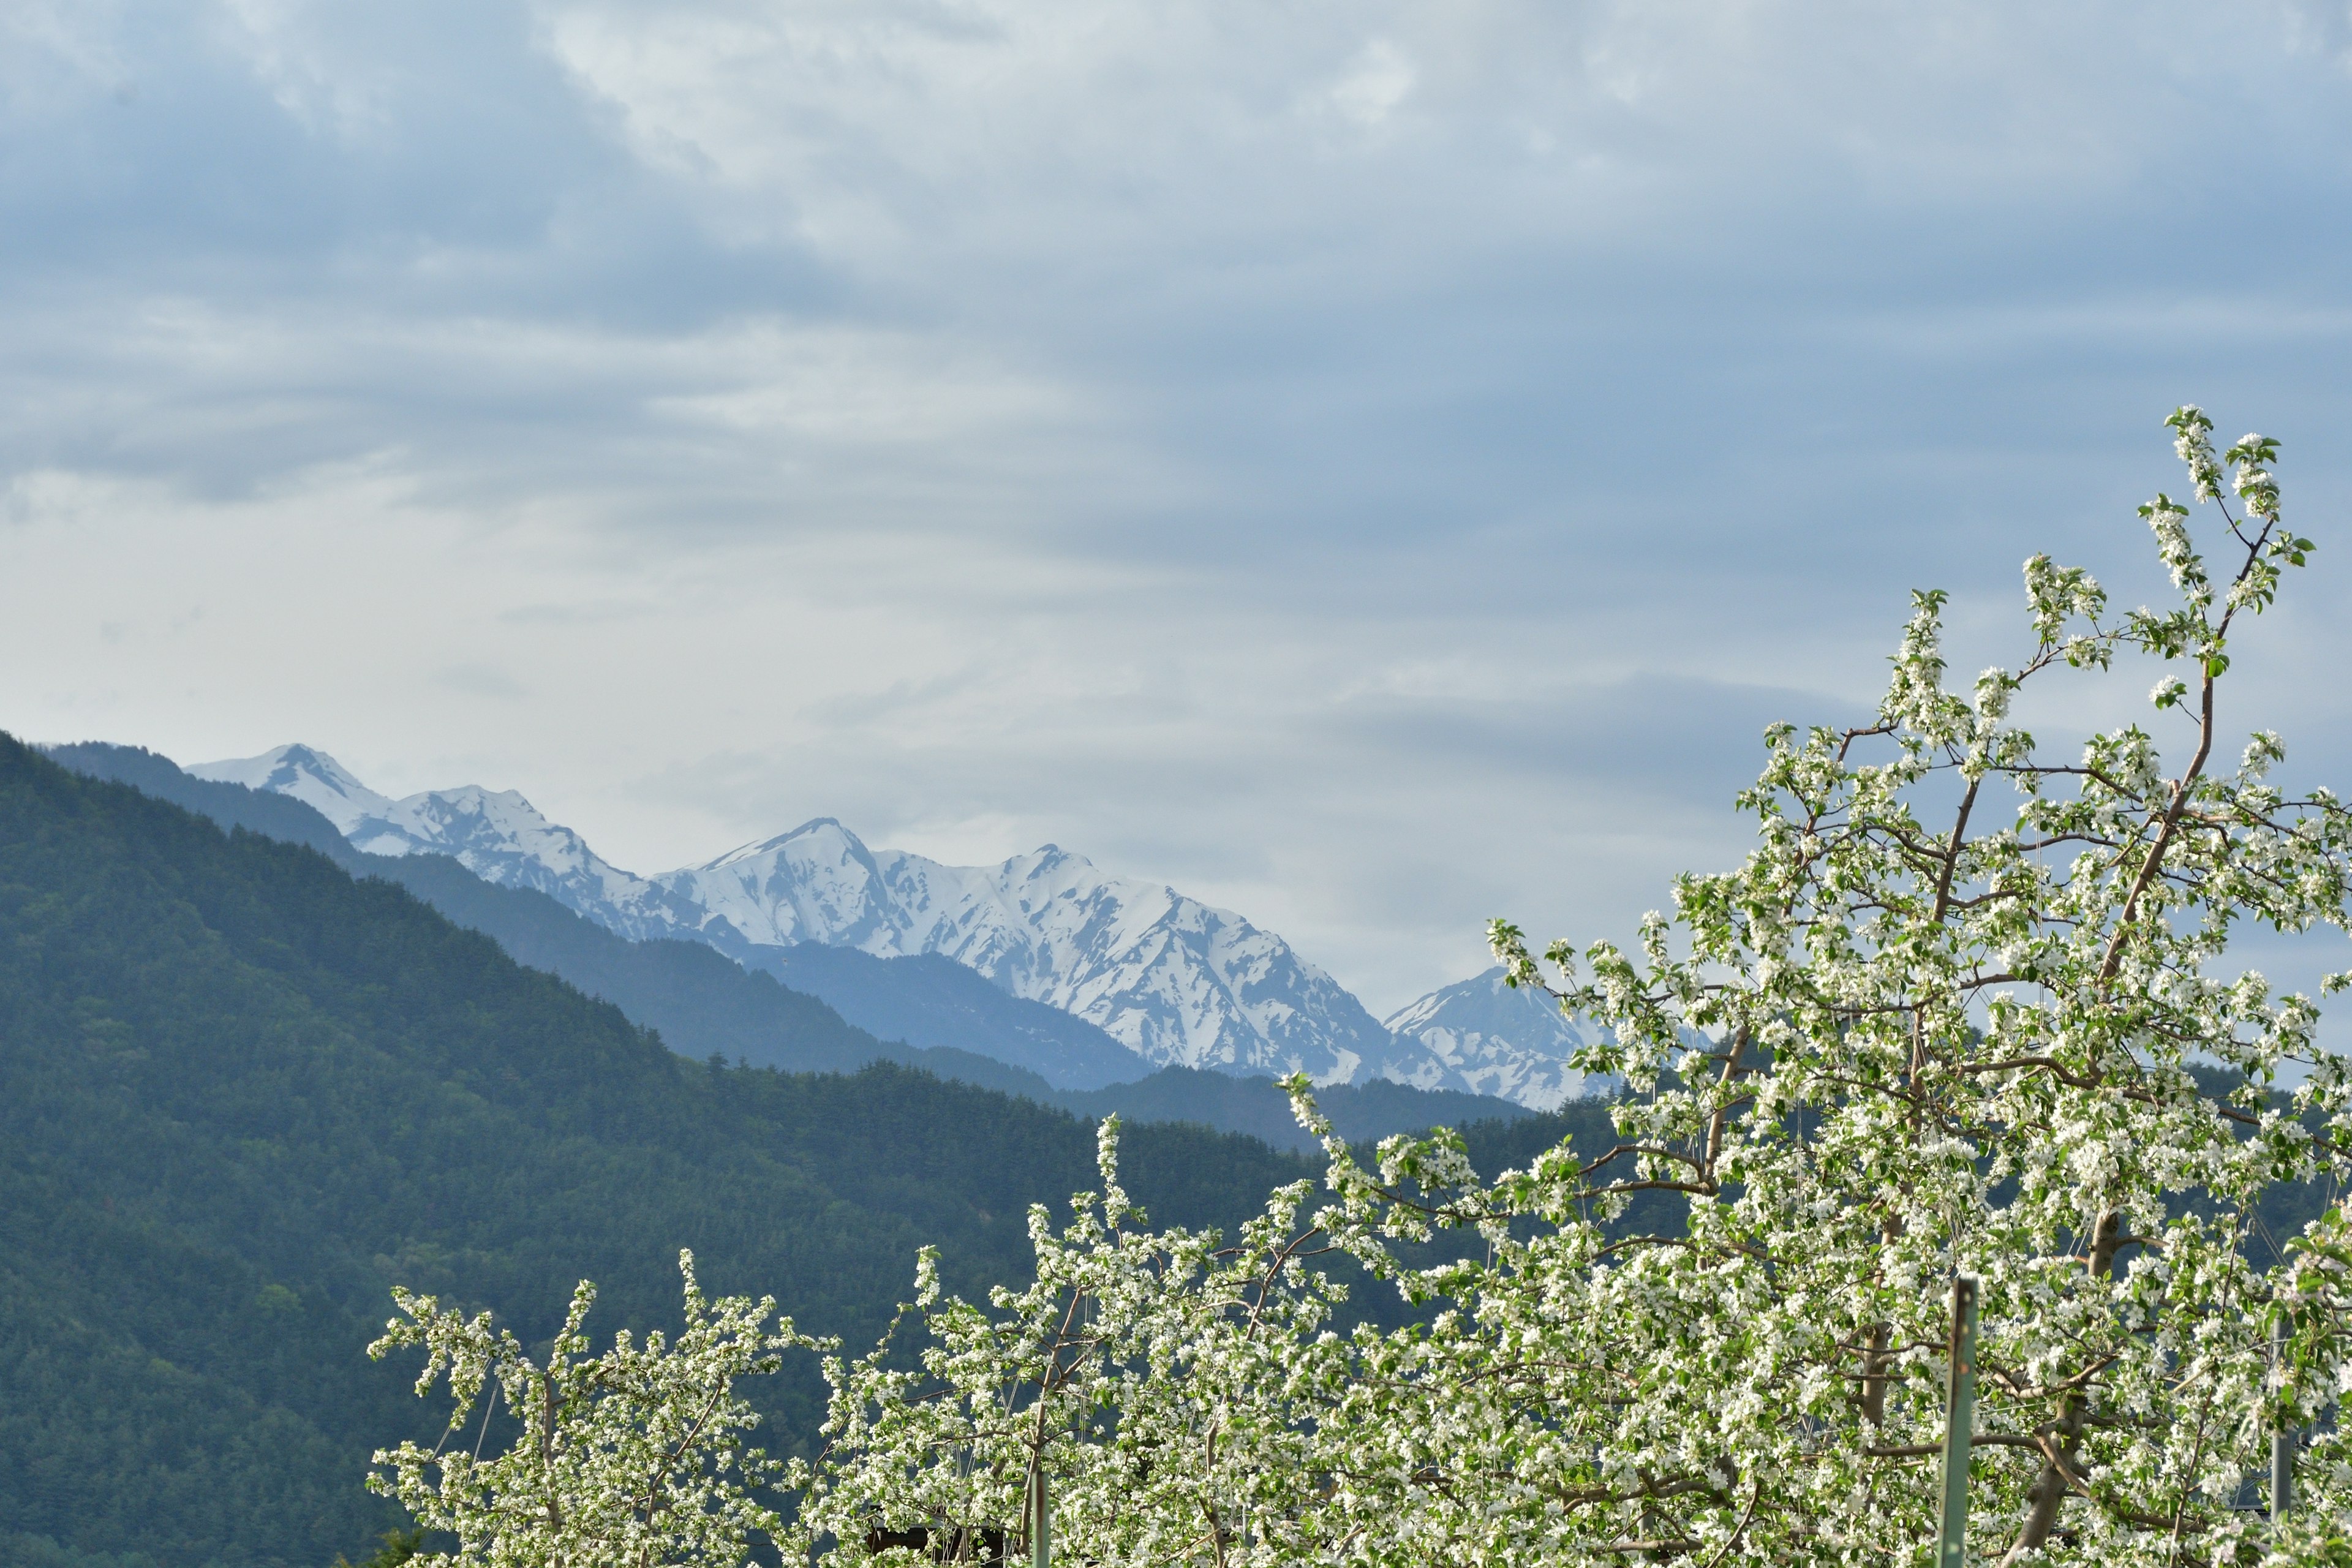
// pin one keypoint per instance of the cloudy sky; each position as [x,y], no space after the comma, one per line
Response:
[1373,466]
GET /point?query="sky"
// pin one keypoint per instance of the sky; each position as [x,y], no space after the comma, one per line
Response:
[1375,467]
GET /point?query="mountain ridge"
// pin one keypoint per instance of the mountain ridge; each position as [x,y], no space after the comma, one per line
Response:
[1484,1037]
[1173,980]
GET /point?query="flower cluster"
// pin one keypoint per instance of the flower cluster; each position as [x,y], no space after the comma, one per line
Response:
[629,1459]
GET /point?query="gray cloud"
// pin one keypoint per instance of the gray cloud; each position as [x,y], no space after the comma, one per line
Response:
[1376,466]
[480,680]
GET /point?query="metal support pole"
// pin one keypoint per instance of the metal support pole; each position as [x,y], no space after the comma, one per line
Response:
[1041,1519]
[2282,1442]
[1959,1425]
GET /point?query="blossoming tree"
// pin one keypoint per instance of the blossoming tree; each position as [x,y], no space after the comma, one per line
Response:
[1962,1012]
[630,1459]
[1953,1032]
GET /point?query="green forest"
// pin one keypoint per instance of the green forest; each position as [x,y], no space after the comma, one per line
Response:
[242,1094]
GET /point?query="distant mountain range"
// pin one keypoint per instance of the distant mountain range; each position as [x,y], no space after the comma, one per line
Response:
[836,1009]
[1163,979]
[1481,1036]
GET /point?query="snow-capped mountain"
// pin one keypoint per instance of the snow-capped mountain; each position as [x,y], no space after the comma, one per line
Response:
[499,836]
[1480,1035]
[1176,980]
[1180,981]
[314,778]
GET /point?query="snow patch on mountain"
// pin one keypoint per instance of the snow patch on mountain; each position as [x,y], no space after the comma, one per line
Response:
[1481,1035]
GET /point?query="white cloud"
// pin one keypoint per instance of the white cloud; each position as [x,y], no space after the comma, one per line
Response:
[1361,461]
[1379,80]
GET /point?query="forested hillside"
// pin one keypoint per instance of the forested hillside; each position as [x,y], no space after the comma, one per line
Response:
[241,1094]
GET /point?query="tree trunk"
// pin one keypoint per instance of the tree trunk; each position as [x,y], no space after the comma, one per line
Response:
[2050,1487]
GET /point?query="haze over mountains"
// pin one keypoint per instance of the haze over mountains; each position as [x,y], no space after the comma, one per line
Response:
[1174,980]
